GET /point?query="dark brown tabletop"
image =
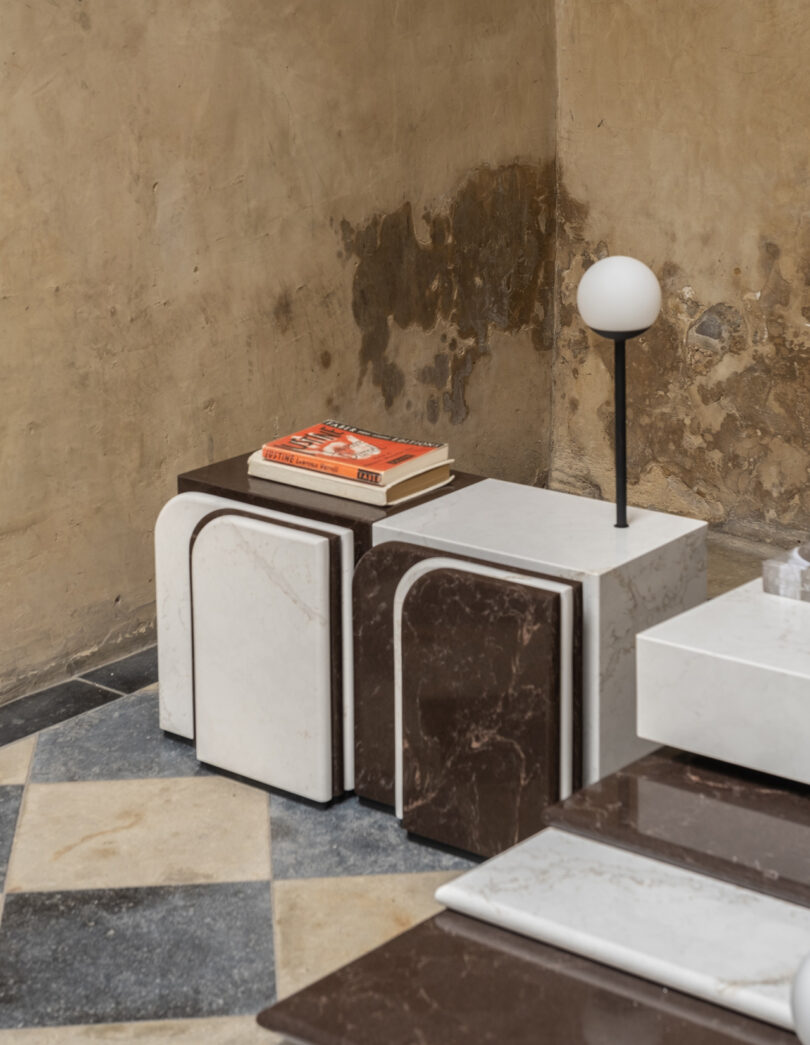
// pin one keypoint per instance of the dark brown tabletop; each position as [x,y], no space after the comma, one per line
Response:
[730,823]
[230,479]
[455,981]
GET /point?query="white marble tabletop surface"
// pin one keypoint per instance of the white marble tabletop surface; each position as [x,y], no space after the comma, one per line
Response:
[716,941]
[746,624]
[535,527]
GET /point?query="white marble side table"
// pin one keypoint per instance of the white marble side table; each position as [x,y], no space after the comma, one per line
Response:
[731,679]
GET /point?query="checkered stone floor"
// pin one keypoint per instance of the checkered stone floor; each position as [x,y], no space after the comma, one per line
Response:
[148,898]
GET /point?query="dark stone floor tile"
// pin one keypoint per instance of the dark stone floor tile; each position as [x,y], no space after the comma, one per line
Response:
[10,797]
[117,742]
[112,955]
[348,838]
[128,674]
[37,711]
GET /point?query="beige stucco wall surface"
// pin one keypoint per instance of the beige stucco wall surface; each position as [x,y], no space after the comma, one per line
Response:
[682,141]
[226,219]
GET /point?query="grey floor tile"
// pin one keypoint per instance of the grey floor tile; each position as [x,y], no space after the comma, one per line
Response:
[128,674]
[347,838]
[29,714]
[109,955]
[10,798]
[118,742]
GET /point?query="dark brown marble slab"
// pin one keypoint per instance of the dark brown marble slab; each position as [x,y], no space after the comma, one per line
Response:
[376,577]
[375,582]
[734,824]
[456,981]
[335,626]
[230,479]
[480,709]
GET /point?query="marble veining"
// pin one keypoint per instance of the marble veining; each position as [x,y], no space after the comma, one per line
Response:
[731,680]
[566,641]
[485,661]
[262,653]
[716,941]
[375,581]
[456,981]
[174,530]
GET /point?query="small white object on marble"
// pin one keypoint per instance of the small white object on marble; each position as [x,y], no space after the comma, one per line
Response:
[262,653]
[720,942]
[631,578]
[175,527]
[421,569]
[731,680]
[787,575]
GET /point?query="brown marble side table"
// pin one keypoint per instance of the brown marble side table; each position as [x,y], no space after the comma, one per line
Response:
[456,979]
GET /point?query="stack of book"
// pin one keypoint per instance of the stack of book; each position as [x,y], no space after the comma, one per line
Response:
[337,459]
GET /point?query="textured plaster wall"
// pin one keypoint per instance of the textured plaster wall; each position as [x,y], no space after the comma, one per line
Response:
[682,141]
[224,219]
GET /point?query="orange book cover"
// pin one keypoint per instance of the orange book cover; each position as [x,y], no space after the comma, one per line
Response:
[354,453]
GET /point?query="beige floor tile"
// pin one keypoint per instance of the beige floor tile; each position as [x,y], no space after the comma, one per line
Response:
[322,923]
[115,833]
[225,1030]
[15,759]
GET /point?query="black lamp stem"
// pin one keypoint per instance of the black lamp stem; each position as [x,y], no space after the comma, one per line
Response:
[621,435]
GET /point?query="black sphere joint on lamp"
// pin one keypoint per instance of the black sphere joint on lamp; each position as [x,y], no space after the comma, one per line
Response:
[619,298]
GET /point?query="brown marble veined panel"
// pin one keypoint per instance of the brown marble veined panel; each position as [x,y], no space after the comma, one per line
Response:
[744,827]
[480,709]
[376,577]
[230,479]
[455,981]
[375,582]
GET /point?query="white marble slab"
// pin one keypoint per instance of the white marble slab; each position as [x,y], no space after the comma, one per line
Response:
[173,531]
[262,653]
[731,680]
[421,569]
[631,578]
[719,942]
[175,526]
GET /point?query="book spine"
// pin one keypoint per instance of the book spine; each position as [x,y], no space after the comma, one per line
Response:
[346,469]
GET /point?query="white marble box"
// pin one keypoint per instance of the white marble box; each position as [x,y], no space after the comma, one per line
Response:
[731,680]
[631,578]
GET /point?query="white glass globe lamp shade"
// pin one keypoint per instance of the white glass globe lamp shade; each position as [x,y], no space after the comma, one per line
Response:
[619,297]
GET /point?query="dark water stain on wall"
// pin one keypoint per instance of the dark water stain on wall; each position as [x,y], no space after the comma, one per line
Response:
[282,311]
[486,265]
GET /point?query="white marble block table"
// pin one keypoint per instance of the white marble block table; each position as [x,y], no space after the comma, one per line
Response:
[255,641]
[731,679]
[631,578]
